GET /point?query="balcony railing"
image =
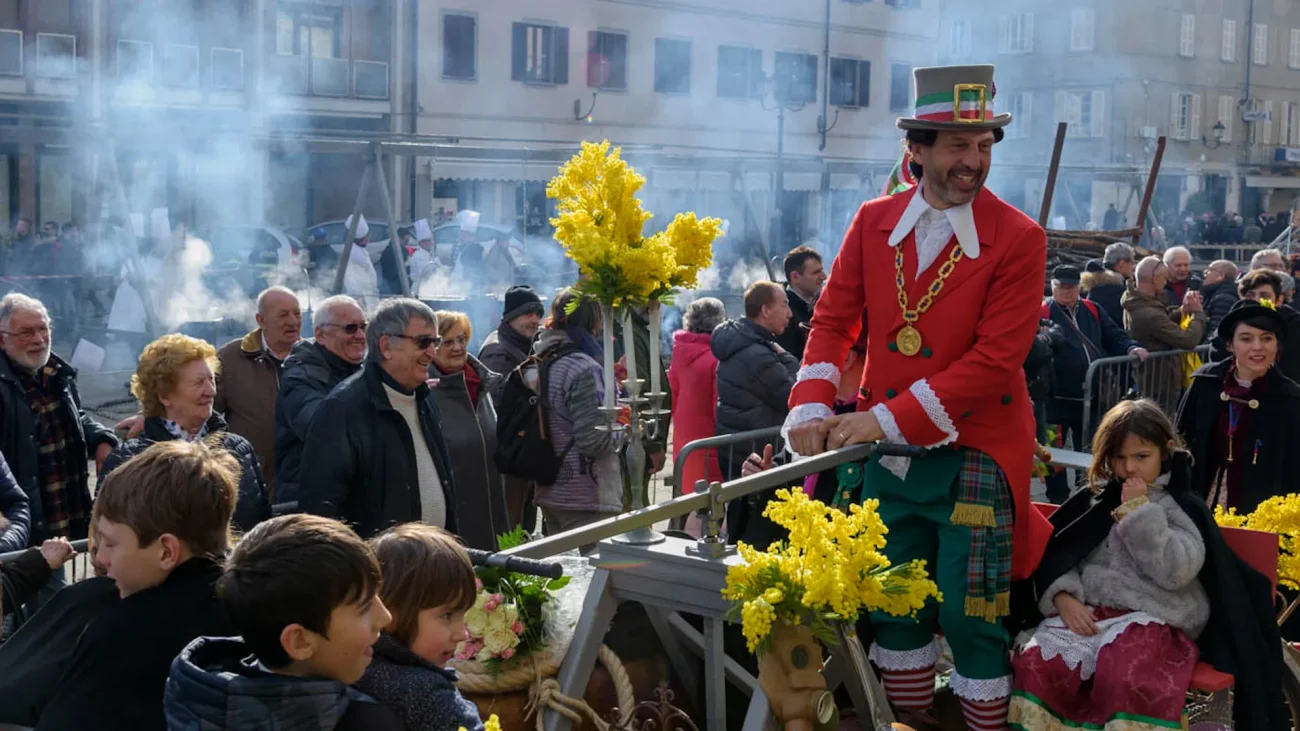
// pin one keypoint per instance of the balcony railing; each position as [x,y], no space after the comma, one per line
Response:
[337,77]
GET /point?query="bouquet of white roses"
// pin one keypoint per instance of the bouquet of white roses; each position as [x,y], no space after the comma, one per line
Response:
[494,628]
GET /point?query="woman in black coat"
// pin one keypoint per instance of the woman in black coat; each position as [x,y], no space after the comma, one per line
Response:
[175,383]
[1240,418]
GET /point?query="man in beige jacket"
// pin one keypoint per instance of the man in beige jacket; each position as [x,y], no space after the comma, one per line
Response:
[1158,327]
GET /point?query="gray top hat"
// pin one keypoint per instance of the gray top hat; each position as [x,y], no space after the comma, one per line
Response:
[954,98]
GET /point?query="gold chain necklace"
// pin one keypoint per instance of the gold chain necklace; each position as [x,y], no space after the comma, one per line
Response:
[909,338]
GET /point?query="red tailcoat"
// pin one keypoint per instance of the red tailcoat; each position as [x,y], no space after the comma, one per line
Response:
[967,385]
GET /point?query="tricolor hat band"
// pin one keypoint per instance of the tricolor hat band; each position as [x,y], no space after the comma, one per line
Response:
[966,103]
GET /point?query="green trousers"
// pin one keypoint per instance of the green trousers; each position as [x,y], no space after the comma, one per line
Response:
[917,512]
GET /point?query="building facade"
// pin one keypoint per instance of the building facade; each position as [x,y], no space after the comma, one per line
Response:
[1219,78]
[704,98]
[220,108]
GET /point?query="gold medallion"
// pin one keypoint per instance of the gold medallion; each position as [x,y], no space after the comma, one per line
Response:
[909,340]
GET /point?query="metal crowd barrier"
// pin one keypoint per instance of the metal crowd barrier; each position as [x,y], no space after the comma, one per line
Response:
[744,439]
[1111,380]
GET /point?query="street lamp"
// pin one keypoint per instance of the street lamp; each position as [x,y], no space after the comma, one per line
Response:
[780,104]
[1216,134]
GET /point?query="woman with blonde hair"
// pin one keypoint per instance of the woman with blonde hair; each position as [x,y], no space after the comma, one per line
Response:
[176,384]
[469,421]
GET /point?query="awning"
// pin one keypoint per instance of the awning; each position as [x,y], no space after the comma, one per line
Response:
[715,181]
[803,181]
[491,170]
[844,181]
[1272,181]
[665,179]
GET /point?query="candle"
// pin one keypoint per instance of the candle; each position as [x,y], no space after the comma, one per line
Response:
[629,342]
[607,334]
[655,360]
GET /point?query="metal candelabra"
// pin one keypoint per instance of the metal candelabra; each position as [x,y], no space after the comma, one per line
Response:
[644,419]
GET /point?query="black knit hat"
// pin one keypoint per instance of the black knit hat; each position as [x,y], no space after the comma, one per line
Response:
[522,300]
[1066,274]
[1266,317]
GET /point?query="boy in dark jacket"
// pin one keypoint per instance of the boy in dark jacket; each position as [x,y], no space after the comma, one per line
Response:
[161,524]
[302,591]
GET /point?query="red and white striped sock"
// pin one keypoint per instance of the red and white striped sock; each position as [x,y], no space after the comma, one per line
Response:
[986,715]
[910,689]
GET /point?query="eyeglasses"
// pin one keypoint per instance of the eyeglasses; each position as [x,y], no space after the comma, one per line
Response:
[27,334]
[462,341]
[351,328]
[423,342]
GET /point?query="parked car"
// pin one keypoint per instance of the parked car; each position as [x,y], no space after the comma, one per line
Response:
[232,247]
[336,232]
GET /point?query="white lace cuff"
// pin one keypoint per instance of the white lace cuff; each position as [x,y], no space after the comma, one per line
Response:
[918,659]
[800,414]
[819,371]
[893,435]
[992,689]
[934,409]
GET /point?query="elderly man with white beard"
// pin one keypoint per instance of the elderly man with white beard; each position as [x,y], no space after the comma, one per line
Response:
[45,435]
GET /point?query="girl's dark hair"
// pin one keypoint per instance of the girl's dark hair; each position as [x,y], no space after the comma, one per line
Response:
[586,316]
[423,567]
[1141,417]
[927,138]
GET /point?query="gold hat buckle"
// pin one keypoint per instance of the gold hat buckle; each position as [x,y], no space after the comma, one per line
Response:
[957,90]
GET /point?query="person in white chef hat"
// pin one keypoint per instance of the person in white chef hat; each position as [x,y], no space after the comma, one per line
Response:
[423,263]
[361,281]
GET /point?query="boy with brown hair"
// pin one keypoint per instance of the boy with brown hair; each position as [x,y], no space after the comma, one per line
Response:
[162,525]
[303,592]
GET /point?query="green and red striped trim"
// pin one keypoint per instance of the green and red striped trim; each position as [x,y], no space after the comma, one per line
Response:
[939,107]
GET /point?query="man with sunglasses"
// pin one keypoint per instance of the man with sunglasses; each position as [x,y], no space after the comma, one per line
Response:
[375,455]
[312,370]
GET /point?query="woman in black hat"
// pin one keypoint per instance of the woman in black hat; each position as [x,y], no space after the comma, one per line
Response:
[1241,417]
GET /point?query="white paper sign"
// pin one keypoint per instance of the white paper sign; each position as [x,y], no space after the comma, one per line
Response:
[87,357]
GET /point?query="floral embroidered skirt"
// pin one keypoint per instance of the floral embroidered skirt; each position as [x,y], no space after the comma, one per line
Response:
[1132,675]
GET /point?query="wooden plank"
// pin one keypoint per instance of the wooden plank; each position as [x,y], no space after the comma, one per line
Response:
[1050,186]
[1150,189]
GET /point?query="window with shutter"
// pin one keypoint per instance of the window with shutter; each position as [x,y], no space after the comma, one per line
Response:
[540,54]
[1019,106]
[1187,36]
[850,82]
[1266,125]
[1078,113]
[1293,54]
[1194,124]
[672,66]
[459,42]
[607,60]
[900,87]
[794,77]
[1259,49]
[1097,122]
[1082,29]
[1020,33]
[1180,115]
[1229,51]
[740,72]
[1226,106]
[959,39]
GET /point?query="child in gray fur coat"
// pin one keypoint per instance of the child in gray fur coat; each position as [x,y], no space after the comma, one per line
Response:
[1119,589]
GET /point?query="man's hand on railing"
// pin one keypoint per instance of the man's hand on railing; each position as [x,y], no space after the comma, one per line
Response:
[858,427]
[809,438]
[1141,353]
[755,464]
[56,552]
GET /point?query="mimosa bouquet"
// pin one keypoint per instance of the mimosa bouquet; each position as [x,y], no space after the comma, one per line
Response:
[1280,515]
[831,569]
[600,223]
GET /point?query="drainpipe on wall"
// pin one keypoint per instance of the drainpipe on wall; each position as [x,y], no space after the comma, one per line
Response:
[413,118]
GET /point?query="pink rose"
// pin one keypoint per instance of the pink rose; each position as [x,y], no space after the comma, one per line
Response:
[498,599]
[517,628]
[507,653]
[491,605]
[478,584]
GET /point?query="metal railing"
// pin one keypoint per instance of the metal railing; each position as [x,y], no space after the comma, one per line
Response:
[714,445]
[711,498]
[1111,380]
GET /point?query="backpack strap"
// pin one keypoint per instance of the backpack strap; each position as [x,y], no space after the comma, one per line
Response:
[1092,307]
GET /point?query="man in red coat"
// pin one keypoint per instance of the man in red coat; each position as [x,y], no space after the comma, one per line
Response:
[951,278]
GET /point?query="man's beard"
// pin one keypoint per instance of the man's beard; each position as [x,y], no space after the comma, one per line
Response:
[31,364]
